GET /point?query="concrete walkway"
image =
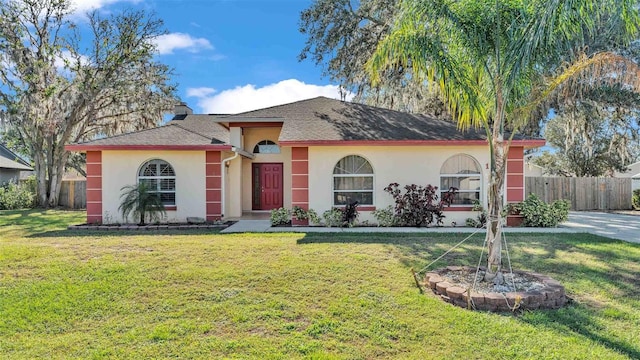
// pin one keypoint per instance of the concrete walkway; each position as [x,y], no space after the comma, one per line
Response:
[615,226]
[243,226]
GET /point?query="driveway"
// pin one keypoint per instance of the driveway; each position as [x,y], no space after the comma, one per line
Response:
[615,226]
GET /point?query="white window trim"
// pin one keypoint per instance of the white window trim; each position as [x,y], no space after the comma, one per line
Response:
[470,175]
[333,186]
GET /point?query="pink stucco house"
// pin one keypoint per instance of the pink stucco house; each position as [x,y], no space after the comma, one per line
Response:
[317,153]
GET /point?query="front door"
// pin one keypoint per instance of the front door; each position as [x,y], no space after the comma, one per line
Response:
[267,186]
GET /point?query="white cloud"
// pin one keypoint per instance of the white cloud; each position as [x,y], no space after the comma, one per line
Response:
[200,92]
[82,6]
[66,57]
[249,97]
[169,42]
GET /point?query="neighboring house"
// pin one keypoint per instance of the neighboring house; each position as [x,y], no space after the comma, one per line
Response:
[318,153]
[11,166]
[533,170]
[633,173]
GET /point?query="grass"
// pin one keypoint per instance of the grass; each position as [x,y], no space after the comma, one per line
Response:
[68,294]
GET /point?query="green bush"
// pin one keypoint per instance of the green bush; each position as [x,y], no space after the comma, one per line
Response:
[635,199]
[332,217]
[313,217]
[17,196]
[538,213]
[386,217]
[280,216]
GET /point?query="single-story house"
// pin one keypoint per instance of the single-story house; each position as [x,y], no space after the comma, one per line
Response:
[633,172]
[11,166]
[317,154]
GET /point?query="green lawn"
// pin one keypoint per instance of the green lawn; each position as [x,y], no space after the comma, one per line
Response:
[68,294]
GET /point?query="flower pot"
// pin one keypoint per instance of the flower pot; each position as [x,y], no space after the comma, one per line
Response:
[296,222]
[515,220]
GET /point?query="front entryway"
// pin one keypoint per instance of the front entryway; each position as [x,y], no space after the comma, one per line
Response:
[267,186]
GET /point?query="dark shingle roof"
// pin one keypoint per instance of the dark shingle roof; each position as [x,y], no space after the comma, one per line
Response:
[328,119]
[193,130]
[317,119]
[9,160]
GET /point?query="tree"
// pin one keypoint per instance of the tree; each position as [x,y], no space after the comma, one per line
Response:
[137,200]
[58,88]
[596,136]
[342,35]
[490,58]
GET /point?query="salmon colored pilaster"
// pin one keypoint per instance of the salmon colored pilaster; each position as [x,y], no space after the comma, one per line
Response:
[94,187]
[213,185]
[515,175]
[300,177]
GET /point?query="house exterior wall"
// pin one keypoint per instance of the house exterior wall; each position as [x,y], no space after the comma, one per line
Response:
[402,164]
[120,168]
[9,175]
[251,137]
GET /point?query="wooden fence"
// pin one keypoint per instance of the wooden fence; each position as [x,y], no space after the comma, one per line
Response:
[583,193]
[73,194]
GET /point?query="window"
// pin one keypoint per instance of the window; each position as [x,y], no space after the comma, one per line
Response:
[353,181]
[161,179]
[462,172]
[266,147]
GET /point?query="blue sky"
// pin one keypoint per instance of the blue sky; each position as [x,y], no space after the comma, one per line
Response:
[231,55]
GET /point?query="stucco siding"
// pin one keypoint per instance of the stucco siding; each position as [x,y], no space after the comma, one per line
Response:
[7,175]
[404,165]
[120,168]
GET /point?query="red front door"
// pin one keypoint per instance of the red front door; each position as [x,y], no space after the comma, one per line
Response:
[267,186]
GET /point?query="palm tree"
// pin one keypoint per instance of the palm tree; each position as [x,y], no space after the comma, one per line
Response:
[140,202]
[497,62]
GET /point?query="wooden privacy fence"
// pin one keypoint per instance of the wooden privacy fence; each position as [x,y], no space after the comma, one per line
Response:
[73,194]
[583,193]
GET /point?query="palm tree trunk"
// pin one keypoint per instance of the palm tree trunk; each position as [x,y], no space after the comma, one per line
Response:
[494,222]
[498,152]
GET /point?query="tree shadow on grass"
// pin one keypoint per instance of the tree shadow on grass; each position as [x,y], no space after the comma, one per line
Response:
[585,264]
[581,320]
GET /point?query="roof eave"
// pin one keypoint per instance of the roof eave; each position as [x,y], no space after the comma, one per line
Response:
[96,147]
[528,144]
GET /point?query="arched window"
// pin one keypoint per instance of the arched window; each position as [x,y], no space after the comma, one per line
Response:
[266,147]
[353,181]
[160,178]
[462,172]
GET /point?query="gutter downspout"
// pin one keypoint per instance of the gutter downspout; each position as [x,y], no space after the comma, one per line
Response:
[222,180]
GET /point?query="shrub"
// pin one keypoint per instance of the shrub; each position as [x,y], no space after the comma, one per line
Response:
[635,199]
[385,217]
[481,219]
[16,196]
[350,214]
[419,205]
[537,213]
[299,213]
[139,201]
[313,217]
[332,217]
[280,216]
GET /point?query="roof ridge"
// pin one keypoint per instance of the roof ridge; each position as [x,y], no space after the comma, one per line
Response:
[275,106]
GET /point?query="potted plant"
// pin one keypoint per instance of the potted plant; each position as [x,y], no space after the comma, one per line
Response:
[300,216]
[514,218]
